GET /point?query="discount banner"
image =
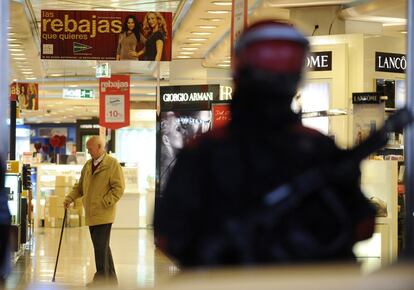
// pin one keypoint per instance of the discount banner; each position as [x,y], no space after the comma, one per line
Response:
[114,102]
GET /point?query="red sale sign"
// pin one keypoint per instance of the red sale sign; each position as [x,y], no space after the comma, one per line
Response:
[114,102]
[221,114]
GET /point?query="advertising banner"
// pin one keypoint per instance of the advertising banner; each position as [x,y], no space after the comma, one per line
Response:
[26,95]
[221,114]
[106,35]
[114,101]
[185,115]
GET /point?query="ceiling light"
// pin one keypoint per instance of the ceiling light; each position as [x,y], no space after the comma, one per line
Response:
[207,26]
[183,56]
[30,78]
[11,39]
[226,61]
[11,33]
[56,75]
[189,48]
[218,11]
[19,58]
[211,19]
[186,52]
[17,54]
[73,86]
[223,65]
[222,3]
[200,33]
[15,45]
[15,49]
[198,39]
[26,69]
[27,72]
[193,44]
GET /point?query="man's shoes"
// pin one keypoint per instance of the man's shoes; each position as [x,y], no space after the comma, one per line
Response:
[103,283]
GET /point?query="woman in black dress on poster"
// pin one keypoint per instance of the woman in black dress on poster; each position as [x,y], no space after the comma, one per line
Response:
[155,31]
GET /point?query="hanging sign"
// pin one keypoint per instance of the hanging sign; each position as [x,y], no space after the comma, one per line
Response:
[390,62]
[366,98]
[26,95]
[103,70]
[74,93]
[114,101]
[319,61]
[238,20]
[105,35]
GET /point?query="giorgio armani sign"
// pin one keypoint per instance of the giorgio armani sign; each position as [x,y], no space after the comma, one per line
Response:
[390,62]
[188,97]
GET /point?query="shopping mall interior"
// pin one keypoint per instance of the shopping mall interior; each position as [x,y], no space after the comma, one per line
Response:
[60,52]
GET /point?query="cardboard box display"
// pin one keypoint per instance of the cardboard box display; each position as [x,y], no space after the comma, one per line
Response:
[62,180]
[73,220]
[62,191]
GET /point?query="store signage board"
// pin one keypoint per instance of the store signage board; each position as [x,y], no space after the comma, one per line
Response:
[103,70]
[238,20]
[114,101]
[94,35]
[319,61]
[26,95]
[189,97]
[366,98]
[76,93]
[390,62]
[221,114]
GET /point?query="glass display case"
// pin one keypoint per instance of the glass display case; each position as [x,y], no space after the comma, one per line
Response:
[12,182]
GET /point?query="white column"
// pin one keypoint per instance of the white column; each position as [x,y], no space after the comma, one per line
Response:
[4,80]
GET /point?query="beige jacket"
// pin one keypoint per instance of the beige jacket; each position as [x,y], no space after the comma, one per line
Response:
[100,190]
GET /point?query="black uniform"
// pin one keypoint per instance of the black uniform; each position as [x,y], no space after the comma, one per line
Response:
[224,175]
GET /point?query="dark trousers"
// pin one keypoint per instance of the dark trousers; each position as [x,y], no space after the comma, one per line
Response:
[100,235]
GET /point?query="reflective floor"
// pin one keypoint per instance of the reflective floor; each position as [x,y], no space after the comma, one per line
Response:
[138,263]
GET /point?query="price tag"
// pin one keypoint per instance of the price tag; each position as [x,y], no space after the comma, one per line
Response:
[115,108]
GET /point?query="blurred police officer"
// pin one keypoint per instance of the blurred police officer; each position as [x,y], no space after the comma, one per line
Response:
[220,179]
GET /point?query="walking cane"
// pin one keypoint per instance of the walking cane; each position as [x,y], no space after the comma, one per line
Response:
[60,242]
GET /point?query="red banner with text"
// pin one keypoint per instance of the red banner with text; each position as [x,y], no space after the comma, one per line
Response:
[221,114]
[106,35]
[114,103]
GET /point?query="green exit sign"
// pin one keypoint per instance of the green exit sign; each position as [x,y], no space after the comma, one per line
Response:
[73,93]
[103,70]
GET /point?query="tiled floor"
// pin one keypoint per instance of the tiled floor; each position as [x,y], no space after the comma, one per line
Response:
[138,263]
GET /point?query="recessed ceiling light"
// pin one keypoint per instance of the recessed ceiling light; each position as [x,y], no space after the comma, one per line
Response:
[25,69]
[200,33]
[226,61]
[186,52]
[27,72]
[193,44]
[15,49]
[11,33]
[72,86]
[11,39]
[207,26]
[218,11]
[183,56]
[15,45]
[198,39]
[222,3]
[17,54]
[223,65]
[189,48]
[211,19]
[56,75]
[30,78]
[19,58]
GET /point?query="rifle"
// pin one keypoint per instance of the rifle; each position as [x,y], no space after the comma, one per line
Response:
[250,238]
